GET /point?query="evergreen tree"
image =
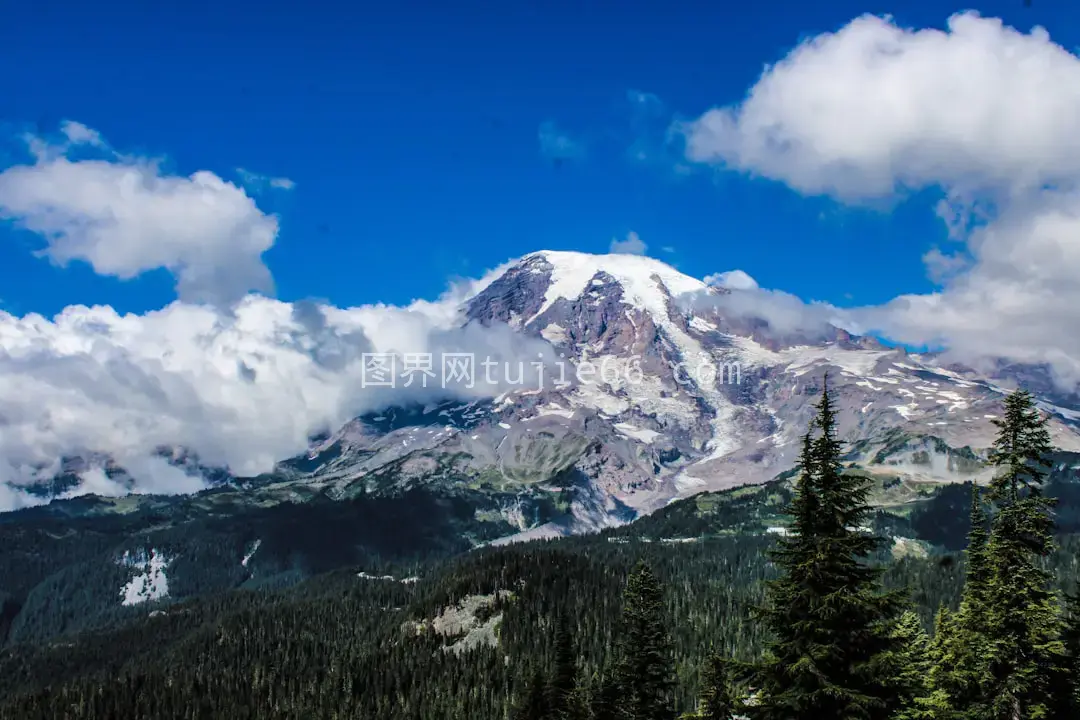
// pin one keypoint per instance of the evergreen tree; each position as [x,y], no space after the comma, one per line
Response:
[718,699]
[1071,639]
[1020,449]
[944,632]
[563,687]
[938,705]
[826,613]
[534,703]
[1023,622]
[645,673]
[605,699]
[964,642]
[911,664]
[978,572]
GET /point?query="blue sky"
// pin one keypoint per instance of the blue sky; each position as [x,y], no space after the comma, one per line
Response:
[412,134]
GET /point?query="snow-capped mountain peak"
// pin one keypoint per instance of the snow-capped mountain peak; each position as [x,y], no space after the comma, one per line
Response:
[647,284]
[535,284]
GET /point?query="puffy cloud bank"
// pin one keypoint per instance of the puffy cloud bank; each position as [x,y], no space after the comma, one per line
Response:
[983,112]
[242,388]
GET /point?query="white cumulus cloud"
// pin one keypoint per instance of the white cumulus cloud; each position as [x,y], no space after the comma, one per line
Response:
[732,280]
[240,380]
[874,107]
[124,216]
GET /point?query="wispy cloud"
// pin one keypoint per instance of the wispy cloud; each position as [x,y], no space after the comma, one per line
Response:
[645,101]
[256,182]
[556,145]
[632,245]
[79,134]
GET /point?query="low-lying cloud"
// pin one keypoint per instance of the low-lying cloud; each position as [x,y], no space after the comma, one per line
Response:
[242,389]
[778,314]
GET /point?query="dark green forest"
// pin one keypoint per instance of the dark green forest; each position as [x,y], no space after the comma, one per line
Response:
[827,593]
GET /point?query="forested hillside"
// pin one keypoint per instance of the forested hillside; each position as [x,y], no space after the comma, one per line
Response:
[543,629]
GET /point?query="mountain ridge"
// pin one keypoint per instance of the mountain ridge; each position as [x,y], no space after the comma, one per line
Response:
[658,426]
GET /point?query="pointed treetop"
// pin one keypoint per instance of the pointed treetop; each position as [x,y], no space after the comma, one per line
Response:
[977,517]
[1020,449]
[826,419]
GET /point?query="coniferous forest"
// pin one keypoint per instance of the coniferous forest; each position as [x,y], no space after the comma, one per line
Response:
[685,614]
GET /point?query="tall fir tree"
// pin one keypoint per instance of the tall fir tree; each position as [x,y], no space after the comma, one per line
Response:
[943,654]
[1071,639]
[829,620]
[910,665]
[563,691]
[977,576]
[964,642]
[1023,621]
[718,698]
[533,704]
[645,673]
[605,700]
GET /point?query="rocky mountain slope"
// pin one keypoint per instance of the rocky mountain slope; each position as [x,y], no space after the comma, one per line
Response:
[683,398]
[659,392]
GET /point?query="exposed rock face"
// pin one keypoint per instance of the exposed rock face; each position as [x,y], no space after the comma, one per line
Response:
[472,623]
[517,294]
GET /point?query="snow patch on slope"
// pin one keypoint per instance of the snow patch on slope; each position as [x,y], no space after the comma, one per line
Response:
[860,363]
[702,325]
[551,409]
[251,553]
[151,583]
[649,395]
[753,353]
[643,434]
[390,578]
[594,396]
